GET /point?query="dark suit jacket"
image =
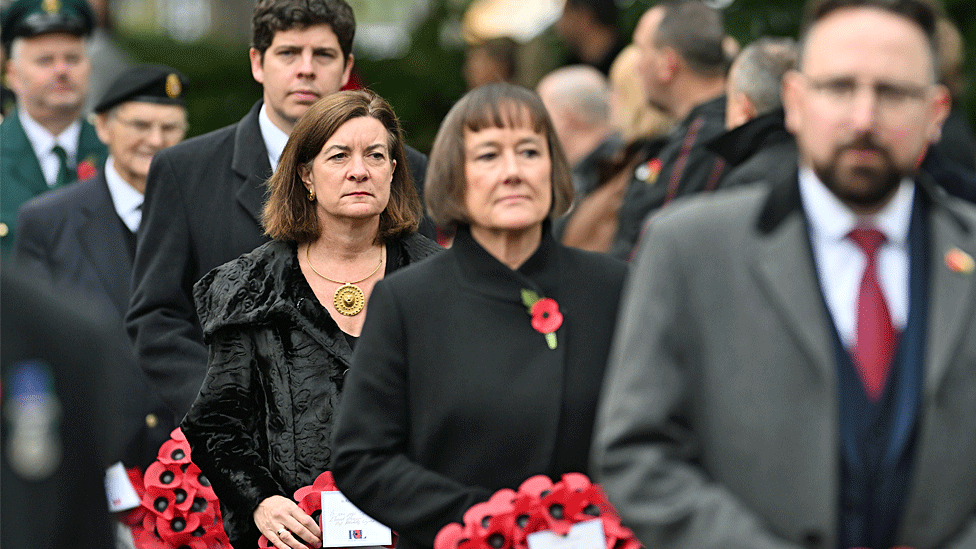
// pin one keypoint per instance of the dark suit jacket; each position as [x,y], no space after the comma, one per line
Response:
[21,177]
[73,238]
[452,394]
[719,425]
[203,208]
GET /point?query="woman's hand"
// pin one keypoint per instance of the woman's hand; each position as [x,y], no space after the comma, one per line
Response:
[286,525]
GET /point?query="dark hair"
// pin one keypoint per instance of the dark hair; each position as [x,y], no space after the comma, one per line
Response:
[496,105]
[289,215]
[605,12]
[696,32]
[921,12]
[271,16]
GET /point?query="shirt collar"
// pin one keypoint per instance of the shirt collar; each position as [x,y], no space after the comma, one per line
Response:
[831,219]
[274,139]
[43,141]
[126,199]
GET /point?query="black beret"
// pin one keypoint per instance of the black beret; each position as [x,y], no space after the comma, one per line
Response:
[26,18]
[146,83]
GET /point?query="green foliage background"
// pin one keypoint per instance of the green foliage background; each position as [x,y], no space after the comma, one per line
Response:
[424,83]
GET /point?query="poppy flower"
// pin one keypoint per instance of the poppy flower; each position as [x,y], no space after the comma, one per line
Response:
[504,521]
[86,169]
[174,451]
[546,317]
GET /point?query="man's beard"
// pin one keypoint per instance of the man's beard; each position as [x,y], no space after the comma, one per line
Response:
[865,187]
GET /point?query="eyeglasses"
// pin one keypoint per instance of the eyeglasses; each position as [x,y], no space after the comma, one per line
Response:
[144,127]
[889,95]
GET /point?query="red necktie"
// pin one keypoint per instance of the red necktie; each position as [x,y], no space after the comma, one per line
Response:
[876,337]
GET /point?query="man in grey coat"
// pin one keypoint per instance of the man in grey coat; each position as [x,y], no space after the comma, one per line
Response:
[777,383]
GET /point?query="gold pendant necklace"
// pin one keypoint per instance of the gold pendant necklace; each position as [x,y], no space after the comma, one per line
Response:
[349,300]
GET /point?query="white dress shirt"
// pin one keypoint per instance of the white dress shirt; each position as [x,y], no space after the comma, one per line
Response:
[42,141]
[274,139]
[840,262]
[126,199]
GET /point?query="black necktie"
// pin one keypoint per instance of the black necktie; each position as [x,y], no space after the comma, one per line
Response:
[63,176]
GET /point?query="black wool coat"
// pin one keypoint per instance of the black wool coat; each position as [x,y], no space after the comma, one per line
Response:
[453,395]
[261,424]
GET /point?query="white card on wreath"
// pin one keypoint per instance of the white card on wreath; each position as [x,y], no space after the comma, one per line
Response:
[582,535]
[344,525]
[118,488]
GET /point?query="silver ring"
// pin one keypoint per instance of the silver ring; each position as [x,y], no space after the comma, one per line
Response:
[280,530]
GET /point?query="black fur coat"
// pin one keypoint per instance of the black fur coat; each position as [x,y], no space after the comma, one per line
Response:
[262,421]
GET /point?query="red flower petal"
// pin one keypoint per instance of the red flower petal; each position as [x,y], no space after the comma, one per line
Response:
[174,451]
[546,317]
[449,537]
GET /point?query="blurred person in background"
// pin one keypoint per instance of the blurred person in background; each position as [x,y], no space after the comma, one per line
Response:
[492,60]
[682,64]
[437,414]
[204,197]
[591,30]
[952,160]
[577,98]
[592,223]
[108,60]
[59,410]
[757,145]
[44,143]
[83,237]
[281,323]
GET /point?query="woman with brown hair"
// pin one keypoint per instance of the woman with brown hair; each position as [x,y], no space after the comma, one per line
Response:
[281,321]
[490,375]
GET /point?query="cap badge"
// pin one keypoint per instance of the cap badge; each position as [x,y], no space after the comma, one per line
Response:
[173,86]
[51,6]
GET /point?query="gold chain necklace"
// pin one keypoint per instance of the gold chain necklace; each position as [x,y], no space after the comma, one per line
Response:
[349,300]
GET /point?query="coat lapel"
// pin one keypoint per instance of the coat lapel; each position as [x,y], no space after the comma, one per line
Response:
[104,246]
[251,164]
[26,167]
[952,294]
[783,266]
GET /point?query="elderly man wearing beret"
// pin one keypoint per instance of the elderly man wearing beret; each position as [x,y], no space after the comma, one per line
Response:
[45,144]
[82,237]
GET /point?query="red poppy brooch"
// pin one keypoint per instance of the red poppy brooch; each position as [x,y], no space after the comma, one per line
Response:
[86,168]
[508,517]
[546,318]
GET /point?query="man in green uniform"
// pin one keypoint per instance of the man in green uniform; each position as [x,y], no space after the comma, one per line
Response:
[44,144]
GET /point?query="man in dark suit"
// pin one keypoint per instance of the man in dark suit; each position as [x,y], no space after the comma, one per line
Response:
[44,144]
[82,237]
[204,197]
[793,366]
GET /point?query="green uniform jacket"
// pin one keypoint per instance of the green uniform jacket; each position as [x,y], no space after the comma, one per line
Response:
[20,173]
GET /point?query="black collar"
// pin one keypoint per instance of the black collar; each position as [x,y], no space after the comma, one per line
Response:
[482,273]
